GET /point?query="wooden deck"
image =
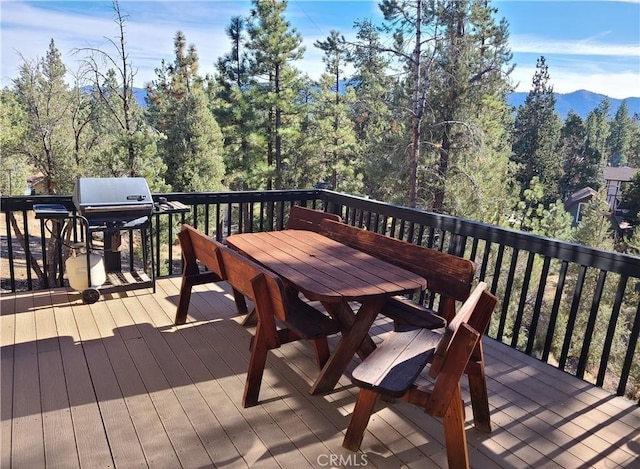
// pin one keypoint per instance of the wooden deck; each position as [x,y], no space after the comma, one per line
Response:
[114,384]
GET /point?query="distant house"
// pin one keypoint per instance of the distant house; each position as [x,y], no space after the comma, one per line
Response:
[36,184]
[615,178]
[577,202]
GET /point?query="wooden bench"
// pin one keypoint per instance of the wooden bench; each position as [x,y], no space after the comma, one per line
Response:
[273,305]
[303,218]
[392,370]
[199,249]
[448,276]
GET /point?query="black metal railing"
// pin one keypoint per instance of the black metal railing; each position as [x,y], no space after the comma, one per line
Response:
[569,305]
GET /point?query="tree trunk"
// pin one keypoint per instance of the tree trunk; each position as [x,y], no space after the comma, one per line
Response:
[417,109]
[31,260]
[278,124]
[443,168]
[414,158]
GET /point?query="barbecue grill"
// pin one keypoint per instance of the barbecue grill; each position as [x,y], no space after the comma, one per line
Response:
[110,205]
[112,201]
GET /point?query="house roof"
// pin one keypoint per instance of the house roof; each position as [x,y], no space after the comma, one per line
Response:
[579,195]
[619,173]
[35,178]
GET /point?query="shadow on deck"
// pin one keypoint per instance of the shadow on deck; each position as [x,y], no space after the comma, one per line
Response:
[115,384]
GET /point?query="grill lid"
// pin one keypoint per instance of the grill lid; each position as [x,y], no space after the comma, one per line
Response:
[112,199]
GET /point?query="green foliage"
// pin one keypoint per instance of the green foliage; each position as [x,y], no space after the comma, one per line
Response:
[620,138]
[329,128]
[193,149]
[633,243]
[378,133]
[533,215]
[47,142]
[634,145]
[478,186]
[273,127]
[273,45]
[234,113]
[631,200]
[179,107]
[13,164]
[594,230]
[598,129]
[581,164]
[537,137]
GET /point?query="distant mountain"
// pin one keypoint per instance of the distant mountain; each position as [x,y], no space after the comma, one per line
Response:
[581,102]
[140,94]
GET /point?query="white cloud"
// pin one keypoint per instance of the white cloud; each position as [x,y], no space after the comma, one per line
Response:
[618,85]
[611,69]
[587,46]
[590,64]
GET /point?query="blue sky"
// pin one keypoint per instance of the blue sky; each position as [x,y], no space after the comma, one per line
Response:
[588,45]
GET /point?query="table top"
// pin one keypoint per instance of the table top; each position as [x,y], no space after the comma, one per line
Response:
[323,269]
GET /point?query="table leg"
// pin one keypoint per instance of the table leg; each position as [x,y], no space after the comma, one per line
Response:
[353,336]
[346,317]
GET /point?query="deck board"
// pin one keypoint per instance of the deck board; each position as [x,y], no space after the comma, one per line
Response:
[7,341]
[115,384]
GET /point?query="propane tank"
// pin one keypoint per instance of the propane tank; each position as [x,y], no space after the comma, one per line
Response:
[76,267]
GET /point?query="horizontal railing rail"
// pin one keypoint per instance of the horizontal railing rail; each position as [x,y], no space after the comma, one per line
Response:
[569,305]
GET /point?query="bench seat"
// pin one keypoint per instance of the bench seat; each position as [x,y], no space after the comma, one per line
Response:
[394,365]
[405,311]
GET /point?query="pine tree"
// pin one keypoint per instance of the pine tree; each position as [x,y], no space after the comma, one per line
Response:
[236,117]
[179,108]
[619,141]
[455,56]
[597,130]
[193,148]
[273,46]
[13,126]
[46,102]
[472,65]
[634,147]
[594,229]
[331,129]
[597,134]
[479,185]
[631,200]
[108,153]
[537,137]
[581,164]
[409,21]
[379,135]
[551,220]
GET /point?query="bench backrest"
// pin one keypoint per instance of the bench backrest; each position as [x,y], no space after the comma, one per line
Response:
[456,347]
[475,312]
[447,275]
[455,360]
[197,246]
[263,287]
[303,218]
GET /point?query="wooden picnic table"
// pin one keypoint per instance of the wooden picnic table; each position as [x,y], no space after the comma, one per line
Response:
[334,274]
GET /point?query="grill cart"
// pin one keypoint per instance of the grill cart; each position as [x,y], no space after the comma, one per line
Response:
[110,206]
